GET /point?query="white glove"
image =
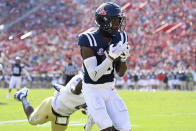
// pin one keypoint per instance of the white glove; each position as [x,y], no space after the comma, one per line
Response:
[116,51]
[125,53]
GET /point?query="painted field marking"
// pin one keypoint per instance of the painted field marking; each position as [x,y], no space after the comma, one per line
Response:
[82,123]
[72,123]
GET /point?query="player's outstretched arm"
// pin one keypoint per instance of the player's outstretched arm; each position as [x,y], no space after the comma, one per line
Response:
[6,59]
[27,74]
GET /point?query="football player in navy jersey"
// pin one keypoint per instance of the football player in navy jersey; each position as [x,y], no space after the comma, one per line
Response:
[17,68]
[104,52]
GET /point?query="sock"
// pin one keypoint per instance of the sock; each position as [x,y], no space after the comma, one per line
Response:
[25,102]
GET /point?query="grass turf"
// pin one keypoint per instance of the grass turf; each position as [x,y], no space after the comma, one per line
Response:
[149,111]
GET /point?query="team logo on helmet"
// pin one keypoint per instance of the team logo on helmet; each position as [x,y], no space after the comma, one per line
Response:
[102,11]
[100,52]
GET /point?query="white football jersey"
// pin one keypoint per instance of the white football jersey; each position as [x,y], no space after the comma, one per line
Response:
[65,102]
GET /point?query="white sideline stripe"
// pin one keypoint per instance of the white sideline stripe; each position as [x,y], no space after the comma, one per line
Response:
[72,123]
[79,122]
[83,122]
[13,121]
[20,121]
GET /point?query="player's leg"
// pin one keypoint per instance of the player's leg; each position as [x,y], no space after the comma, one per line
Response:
[118,112]
[11,85]
[22,96]
[44,113]
[18,83]
[41,114]
[96,107]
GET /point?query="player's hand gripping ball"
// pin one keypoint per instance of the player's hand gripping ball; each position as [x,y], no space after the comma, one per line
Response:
[125,54]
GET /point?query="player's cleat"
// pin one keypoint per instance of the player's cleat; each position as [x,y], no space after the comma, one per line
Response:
[21,93]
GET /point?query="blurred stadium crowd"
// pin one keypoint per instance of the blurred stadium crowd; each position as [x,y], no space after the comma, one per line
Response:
[44,34]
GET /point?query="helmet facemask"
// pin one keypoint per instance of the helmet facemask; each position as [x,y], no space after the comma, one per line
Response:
[106,23]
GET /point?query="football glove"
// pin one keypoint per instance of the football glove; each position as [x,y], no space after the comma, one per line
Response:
[116,51]
[125,53]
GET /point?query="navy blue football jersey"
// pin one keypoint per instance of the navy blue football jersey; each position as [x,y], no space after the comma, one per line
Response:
[96,42]
[17,69]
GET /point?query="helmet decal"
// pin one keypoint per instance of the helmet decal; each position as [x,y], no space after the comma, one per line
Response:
[102,11]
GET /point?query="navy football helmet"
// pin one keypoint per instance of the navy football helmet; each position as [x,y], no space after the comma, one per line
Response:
[105,16]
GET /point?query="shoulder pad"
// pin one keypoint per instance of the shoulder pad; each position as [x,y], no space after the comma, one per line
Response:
[87,39]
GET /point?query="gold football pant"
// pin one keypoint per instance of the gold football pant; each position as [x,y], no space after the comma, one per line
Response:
[43,113]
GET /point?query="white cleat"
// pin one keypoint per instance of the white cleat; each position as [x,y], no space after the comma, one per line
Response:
[21,93]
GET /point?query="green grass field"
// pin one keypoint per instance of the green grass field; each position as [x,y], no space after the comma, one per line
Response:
[149,111]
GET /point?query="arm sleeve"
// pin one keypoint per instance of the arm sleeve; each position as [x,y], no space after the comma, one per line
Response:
[96,71]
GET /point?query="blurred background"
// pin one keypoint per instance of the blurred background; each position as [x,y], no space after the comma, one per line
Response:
[162,36]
